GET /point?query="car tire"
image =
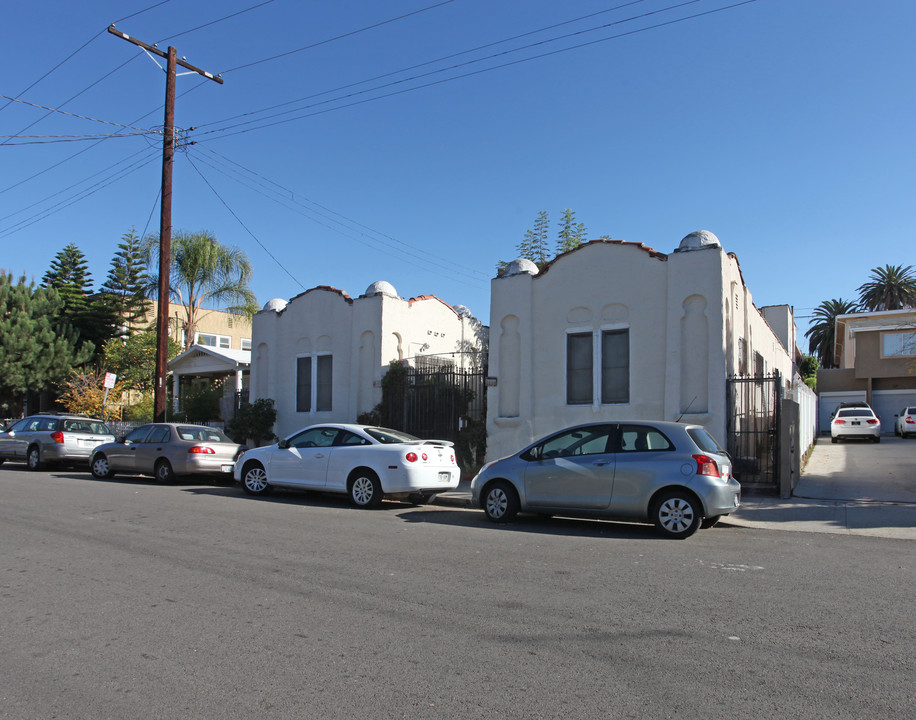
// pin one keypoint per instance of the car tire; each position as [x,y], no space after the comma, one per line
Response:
[677,514]
[33,458]
[709,522]
[421,498]
[100,467]
[877,439]
[834,440]
[164,472]
[254,479]
[499,502]
[365,489]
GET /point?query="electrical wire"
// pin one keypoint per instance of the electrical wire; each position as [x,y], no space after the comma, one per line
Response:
[69,114]
[338,37]
[447,273]
[423,64]
[223,131]
[288,194]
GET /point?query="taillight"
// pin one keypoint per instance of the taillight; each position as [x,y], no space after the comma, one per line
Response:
[202,450]
[872,422]
[706,466]
[411,457]
[425,457]
[839,422]
[57,437]
[452,458]
[910,420]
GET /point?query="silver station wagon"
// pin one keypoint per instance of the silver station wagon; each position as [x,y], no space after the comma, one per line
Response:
[52,438]
[673,475]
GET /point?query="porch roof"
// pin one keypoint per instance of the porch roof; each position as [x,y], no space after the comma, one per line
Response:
[206,360]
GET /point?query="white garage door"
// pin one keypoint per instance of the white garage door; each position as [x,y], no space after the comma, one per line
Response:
[888,403]
[828,402]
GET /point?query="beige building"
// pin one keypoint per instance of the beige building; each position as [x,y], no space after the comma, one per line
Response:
[215,328]
[875,353]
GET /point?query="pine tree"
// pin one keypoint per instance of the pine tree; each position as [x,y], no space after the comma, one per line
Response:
[534,246]
[128,280]
[572,234]
[39,349]
[69,275]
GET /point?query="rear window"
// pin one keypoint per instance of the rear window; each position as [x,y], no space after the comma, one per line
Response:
[389,437]
[86,426]
[201,434]
[855,413]
[704,441]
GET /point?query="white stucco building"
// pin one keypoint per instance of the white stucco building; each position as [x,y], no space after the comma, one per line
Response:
[322,355]
[616,330]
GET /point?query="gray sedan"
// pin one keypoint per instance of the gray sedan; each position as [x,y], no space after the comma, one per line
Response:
[671,474]
[167,450]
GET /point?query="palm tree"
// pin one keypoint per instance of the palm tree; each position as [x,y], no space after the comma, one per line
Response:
[822,333]
[892,287]
[205,272]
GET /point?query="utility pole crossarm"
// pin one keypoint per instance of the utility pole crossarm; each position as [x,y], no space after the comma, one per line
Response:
[156,51]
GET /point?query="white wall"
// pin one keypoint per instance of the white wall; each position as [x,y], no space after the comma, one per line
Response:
[685,312]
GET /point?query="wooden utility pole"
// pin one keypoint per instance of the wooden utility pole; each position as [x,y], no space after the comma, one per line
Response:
[160,392]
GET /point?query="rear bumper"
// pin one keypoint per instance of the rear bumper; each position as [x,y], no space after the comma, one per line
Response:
[721,499]
[411,480]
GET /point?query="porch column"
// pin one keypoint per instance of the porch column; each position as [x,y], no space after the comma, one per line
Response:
[175,392]
[238,381]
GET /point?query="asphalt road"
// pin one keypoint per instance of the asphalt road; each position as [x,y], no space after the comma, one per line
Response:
[125,599]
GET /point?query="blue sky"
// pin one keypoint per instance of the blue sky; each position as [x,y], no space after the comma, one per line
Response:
[783,126]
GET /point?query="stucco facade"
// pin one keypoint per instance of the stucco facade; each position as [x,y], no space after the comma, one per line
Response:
[664,332]
[322,355]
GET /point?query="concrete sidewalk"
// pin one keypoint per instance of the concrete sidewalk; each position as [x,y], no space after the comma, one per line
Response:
[846,489]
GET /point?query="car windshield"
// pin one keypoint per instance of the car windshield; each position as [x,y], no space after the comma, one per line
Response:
[389,437]
[201,434]
[704,441]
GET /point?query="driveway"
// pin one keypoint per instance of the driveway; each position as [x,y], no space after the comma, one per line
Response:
[857,470]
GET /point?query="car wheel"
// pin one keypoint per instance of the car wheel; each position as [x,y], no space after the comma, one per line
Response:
[33,459]
[164,472]
[254,479]
[100,467]
[877,439]
[421,498]
[834,440]
[365,489]
[500,502]
[677,514]
[709,522]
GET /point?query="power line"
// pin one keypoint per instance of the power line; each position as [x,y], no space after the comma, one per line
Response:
[450,273]
[290,194]
[338,37]
[423,64]
[222,131]
[64,112]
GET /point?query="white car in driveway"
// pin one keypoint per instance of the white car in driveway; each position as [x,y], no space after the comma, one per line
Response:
[906,422]
[367,463]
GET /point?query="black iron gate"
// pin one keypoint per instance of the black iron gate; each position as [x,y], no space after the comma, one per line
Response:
[441,402]
[753,430]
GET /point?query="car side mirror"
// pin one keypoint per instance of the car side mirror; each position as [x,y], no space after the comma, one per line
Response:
[122,440]
[283,444]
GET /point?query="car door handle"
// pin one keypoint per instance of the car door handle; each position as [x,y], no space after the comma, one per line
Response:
[318,455]
[601,462]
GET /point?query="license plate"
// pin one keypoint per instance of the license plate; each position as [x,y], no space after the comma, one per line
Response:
[227,468]
[87,443]
[855,422]
[445,477]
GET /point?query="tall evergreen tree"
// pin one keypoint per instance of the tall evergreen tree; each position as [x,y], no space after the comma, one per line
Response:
[39,349]
[535,245]
[128,281]
[572,234]
[69,275]
[892,287]
[822,333]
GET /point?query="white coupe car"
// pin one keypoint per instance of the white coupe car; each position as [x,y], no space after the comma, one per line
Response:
[366,463]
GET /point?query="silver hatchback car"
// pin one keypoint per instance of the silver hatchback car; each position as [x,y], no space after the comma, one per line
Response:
[52,438]
[671,474]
